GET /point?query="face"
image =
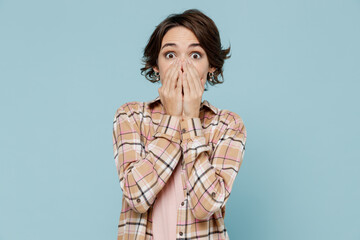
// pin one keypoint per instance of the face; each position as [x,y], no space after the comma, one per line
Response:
[177,43]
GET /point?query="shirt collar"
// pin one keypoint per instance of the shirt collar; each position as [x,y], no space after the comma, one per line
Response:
[203,103]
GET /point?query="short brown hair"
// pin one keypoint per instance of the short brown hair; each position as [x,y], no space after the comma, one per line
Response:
[205,31]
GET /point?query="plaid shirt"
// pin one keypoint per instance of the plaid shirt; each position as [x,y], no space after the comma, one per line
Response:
[148,144]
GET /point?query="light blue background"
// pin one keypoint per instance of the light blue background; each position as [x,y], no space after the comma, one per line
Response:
[66,66]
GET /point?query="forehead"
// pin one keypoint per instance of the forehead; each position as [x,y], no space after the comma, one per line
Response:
[179,35]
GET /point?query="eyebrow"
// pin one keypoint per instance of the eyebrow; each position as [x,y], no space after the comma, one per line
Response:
[173,44]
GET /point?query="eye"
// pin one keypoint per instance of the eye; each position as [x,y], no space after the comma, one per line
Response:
[170,54]
[197,54]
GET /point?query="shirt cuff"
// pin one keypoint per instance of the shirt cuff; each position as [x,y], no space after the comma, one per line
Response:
[191,128]
[169,125]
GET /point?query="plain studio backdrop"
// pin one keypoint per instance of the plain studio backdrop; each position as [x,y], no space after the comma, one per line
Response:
[66,66]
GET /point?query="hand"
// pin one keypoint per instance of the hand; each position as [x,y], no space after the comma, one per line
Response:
[193,90]
[170,91]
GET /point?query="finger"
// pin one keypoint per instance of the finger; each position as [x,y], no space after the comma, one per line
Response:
[195,77]
[186,85]
[175,76]
[168,76]
[164,82]
[198,85]
[189,79]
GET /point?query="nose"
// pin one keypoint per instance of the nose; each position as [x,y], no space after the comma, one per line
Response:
[182,61]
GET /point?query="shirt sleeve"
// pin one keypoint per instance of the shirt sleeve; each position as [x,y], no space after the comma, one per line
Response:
[209,179]
[142,175]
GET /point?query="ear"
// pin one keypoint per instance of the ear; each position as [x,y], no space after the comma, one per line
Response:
[212,69]
[156,69]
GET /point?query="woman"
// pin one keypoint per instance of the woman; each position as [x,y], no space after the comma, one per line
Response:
[177,156]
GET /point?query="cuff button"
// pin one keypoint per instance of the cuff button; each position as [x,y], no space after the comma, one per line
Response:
[138,200]
[213,194]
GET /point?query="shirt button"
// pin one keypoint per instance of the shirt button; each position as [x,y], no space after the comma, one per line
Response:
[183,130]
[182,204]
[138,200]
[213,194]
[181,233]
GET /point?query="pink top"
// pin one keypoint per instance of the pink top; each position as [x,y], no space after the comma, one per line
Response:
[166,205]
